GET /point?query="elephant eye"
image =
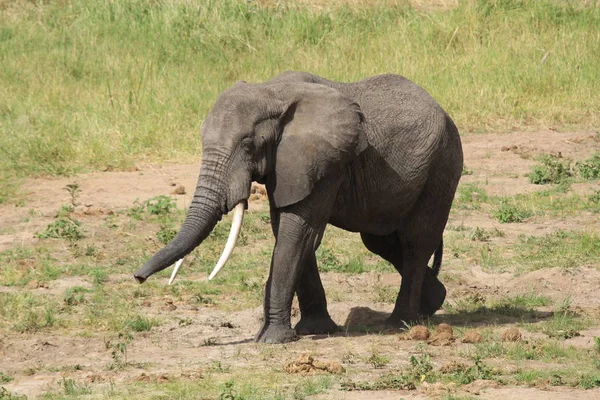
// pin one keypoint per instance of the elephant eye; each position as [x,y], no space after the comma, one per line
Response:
[247,144]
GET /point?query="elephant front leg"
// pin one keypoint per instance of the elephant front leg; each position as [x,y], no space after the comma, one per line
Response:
[313,305]
[296,239]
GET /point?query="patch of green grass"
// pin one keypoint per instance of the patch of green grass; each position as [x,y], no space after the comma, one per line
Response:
[510,213]
[5,394]
[63,228]
[75,295]
[165,233]
[140,323]
[469,196]
[71,388]
[26,312]
[378,360]
[552,170]
[5,378]
[590,168]
[131,81]
[562,249]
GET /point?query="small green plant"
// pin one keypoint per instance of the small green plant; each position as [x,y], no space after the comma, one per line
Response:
[386,382]
[136,210]
[479,235]
[74,190]
[509,213]
[211,341]
[377,360]
[165,233]
[118,350]
[470,196]
[597,344]
[99,276]
[590,168]
[420,367]
[75,295]
[552,170]
[5,378]
[466,171]
[327,260]
[63,228]
[141,323]
[72,388]
[160,205]
[5,394]
[228,393]
[594,197]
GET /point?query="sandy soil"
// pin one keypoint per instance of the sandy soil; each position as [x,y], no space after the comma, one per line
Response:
[173,351]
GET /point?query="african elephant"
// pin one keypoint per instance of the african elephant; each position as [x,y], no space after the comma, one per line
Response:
[378,156]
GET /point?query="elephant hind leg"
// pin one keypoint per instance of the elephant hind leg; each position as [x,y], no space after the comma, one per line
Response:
[389,247]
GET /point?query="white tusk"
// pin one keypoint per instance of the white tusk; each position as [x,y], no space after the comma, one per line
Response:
[236,226]
[175,270]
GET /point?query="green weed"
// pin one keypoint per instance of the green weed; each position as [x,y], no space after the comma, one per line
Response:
[63,228]
[5,394]
[469,197]
[5,378]
[377,360]
[72,388]
[553,170]
[510,213]
[590,168]
[165,233]
[141,324]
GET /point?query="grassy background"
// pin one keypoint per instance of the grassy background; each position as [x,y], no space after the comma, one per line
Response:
[89,85]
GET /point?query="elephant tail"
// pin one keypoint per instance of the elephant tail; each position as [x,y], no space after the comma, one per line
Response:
[437,259]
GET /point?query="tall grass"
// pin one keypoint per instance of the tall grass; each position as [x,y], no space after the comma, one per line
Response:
[87,84]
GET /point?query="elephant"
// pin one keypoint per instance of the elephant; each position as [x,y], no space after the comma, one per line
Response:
[379,157]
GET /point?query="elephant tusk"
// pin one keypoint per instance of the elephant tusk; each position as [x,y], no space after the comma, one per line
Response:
[236,226]
[175,270]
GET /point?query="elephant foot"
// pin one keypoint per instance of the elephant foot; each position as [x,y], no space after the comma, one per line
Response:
[316,324]
[272,333]
[433,295]
[403,321]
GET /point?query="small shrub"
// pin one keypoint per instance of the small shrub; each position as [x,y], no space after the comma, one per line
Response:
[508,213]
[377,360]
[589,169]
[136,210]
[552,170]
[165,233]
[420,367]
[63,228]
[160,205]
[594,197]
[5,378]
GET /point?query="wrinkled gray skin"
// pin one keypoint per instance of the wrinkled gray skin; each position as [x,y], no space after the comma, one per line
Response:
[379,157]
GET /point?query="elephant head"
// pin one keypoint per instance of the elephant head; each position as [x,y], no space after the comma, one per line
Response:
[285,134]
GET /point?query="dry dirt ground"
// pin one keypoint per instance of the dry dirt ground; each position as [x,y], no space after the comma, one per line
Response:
[217,340]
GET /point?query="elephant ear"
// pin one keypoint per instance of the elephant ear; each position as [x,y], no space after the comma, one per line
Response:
[321,130]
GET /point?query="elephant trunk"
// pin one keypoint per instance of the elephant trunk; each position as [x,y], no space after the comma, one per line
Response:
[206,209]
